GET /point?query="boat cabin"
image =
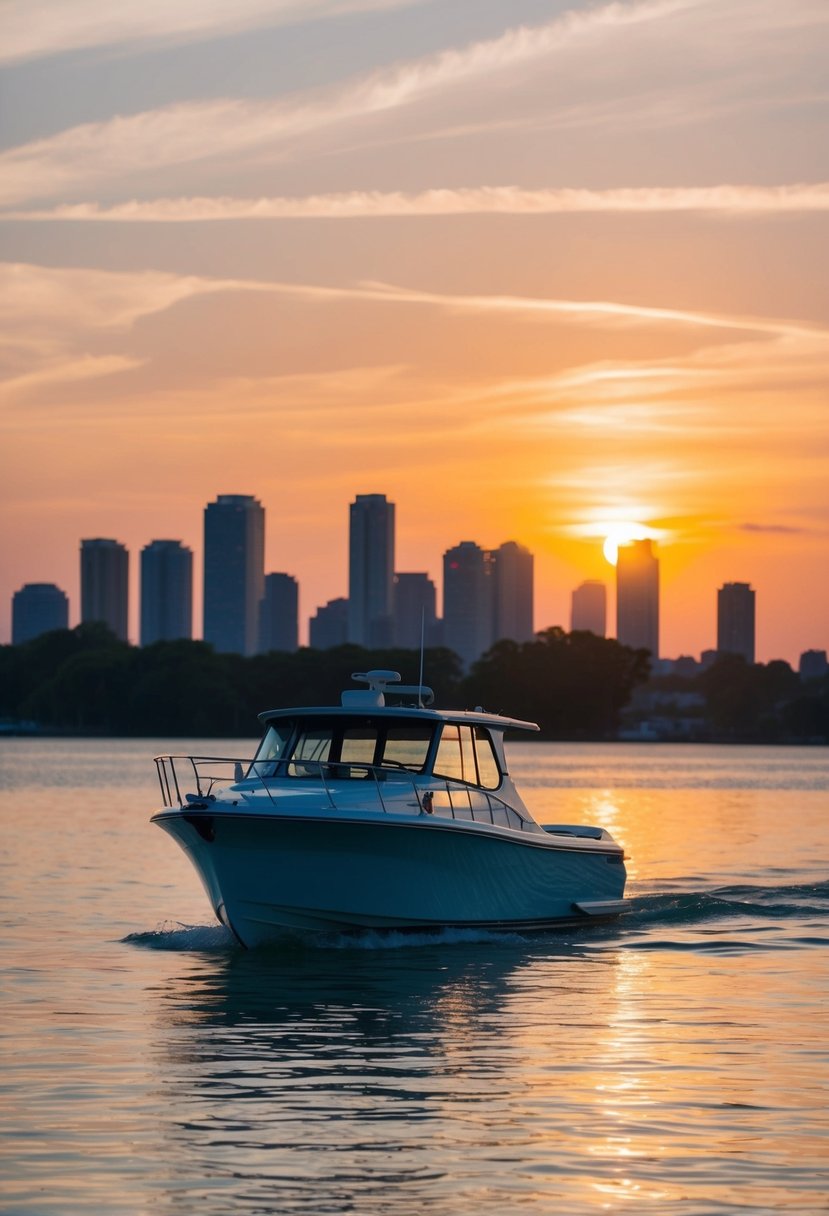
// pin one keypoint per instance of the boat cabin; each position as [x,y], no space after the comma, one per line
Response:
[365,737]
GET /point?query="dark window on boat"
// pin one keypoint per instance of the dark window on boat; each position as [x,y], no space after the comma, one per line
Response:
[407,746]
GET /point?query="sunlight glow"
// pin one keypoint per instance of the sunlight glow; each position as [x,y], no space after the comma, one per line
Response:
[622,532]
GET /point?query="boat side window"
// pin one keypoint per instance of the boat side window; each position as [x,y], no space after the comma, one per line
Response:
[489,775]
[456,754]
[272,748]
[466,754]
[407,746]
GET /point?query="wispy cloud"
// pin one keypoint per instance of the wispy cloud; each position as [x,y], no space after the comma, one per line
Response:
[60,326]
[33,29]
[176,135]
[482,200]
[770,528]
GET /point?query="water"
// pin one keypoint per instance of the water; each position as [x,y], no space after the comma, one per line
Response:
[675,1062]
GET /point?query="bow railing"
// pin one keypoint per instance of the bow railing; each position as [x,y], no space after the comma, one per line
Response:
[432,795]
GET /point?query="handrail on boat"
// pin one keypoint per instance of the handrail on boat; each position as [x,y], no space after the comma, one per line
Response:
[206,780]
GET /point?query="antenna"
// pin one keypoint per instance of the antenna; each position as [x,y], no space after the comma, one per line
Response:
[420,678]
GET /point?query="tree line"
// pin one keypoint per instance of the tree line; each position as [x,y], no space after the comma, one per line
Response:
[755,702]
[86,681]
[574,685]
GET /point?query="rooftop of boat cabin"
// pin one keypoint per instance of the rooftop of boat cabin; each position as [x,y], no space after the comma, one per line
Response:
[371,701]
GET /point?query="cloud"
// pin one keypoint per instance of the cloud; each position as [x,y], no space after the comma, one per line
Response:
[50,319]
[33,29]
[770,528]
[726,200]
[96,153]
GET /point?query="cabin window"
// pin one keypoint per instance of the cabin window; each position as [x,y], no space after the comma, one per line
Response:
[272,748]
[456,754]
[359,745]
[407,746]
[489,775]
[313,748]
[466,754]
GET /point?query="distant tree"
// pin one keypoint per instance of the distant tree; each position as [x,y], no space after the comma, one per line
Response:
[747,701]
[572,684]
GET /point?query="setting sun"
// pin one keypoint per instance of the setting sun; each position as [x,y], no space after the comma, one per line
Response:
[622,533]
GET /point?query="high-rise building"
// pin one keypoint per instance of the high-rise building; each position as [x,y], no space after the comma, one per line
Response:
[370,570]
[329,625]
[735,620]
[511,574]
[166,591]
[279,614]
[637,597]
[813,665]
[105,584]
[467,601]
[415,610]
[38,608]
[589,608]
[234,572]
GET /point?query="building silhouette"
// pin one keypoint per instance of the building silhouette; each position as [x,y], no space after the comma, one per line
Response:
[38,608]
[735,620]
[279,614]
[467,601]
[105,584]
[813,665]
[589,608]
[234,572]
[370,570]
[414,605]
[329,625]
[166,591]
[637,597]
[511,576]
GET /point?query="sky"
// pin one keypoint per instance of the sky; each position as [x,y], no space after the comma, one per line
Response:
[528,268]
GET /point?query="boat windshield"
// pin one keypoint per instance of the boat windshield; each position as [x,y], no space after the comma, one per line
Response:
[336,744]
[272,748]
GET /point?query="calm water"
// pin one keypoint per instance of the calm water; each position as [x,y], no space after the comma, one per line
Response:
[677,1062]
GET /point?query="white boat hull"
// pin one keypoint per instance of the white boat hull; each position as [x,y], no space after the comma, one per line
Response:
[268,874]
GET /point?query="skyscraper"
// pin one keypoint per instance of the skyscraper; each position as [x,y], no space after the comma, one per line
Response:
[511,572]
[166,591]
[38,608]
[735,620]
[370,570]
[105,584]
[329,625]
[234,572]
[589,608]
[279,614]
[813,665]
[637,597]
[415,601]
[467,601]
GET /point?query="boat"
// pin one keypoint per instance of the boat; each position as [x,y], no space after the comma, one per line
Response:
[381,813]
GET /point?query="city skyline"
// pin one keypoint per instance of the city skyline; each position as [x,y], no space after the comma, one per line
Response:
[542,269]
[501,606]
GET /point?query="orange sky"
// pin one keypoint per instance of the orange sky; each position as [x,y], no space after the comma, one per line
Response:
[526,268]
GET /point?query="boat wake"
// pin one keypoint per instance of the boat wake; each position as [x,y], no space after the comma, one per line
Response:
[735,907]
[176,936]
[217,939]
[731,903]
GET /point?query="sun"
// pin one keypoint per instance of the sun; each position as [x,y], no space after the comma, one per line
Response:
[622,532]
